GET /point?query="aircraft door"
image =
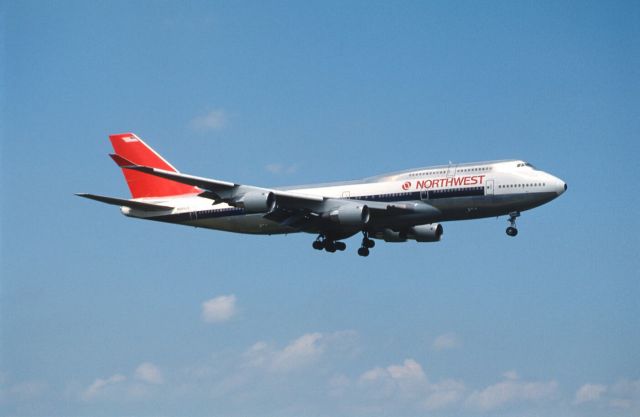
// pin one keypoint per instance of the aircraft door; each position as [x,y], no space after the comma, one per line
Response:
[451,171]
[488,189]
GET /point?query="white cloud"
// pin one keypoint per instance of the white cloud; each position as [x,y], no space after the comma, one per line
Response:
[258,355]
[410,369]
[446,341]
[625,394]
[99,385]
[299,353]
[511,390]
[589,392]
[444,394]
[408,384]
[149,372]
[280,169]
[219,309]
[119,385]
[213,120]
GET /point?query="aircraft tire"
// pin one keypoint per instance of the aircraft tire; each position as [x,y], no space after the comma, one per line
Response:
[363,251]
[329,246]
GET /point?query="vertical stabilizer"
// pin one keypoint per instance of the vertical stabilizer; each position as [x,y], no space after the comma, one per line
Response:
[132,148]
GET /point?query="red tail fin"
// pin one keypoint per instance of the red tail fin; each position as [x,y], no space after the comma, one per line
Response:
[132,148]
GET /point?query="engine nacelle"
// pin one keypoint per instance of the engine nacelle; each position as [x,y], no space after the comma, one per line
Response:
[350,215]
[421,233]
[392,236]
[257,202]
[426,232]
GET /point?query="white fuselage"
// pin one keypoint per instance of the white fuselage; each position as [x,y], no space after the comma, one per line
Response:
[440,193]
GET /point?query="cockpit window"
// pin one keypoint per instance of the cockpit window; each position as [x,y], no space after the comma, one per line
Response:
[525,164]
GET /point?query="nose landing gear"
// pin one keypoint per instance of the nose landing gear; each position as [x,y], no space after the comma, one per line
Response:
[512,230]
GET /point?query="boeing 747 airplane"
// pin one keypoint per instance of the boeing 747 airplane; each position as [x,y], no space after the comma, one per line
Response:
[395,207]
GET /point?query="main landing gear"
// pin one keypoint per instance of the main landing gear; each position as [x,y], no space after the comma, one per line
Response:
[323,242]
[511,230]
[366,245]
[328,244]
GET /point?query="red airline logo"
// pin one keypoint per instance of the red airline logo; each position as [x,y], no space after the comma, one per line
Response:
[445,182]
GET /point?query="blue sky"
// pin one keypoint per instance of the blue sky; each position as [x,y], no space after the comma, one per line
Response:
[108,316]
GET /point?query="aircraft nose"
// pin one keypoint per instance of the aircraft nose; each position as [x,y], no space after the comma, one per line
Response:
[561,186]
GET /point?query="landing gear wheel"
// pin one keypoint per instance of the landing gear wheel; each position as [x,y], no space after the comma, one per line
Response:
[340,246]
[363,251]
[329,246]
[319,243]
[366,242]
[511,230]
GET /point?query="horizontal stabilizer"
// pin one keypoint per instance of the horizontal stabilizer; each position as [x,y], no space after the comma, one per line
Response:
[122,162]
[137,205]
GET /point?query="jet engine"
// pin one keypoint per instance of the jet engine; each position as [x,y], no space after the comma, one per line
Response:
[422,233]
[426,232]
[350,215]
[391,236]
[257,202]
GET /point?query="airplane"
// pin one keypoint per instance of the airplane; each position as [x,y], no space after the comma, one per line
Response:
[394,207]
